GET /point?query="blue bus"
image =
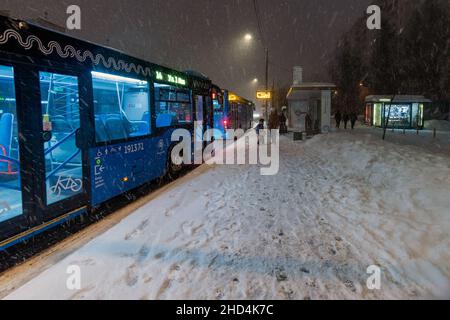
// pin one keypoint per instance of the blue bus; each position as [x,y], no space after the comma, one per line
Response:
[231,112]
[81,124]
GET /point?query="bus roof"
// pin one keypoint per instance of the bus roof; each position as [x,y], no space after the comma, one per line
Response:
[234,97]
[28,39]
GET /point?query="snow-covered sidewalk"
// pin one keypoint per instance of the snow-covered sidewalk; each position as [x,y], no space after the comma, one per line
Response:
[423,140]
[340,203]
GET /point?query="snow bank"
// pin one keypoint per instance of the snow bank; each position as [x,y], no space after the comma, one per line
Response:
[403,196]
[340,203]
[425,141]
[440,125]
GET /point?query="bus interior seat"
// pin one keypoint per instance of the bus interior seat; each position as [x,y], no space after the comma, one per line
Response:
[140,128]
[164,120]
[146,117]
[117,127]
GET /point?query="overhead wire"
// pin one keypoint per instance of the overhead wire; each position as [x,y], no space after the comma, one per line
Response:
[259,22]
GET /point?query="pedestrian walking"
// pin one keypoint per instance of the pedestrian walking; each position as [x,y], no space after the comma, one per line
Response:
[338,118]
[309,123]
[283,126]
[259,128]
[353,119]
[346,119]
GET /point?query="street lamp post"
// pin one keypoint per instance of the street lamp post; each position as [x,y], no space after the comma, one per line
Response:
[267,84]
[248,37]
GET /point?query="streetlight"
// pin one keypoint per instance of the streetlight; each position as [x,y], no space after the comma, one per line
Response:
[248,38]
[255,80]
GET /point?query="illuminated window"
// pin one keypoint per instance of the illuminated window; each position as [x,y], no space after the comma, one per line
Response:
[173,106]
[399,115]
[10,190]
[417,115]
[121,107]
[377,114]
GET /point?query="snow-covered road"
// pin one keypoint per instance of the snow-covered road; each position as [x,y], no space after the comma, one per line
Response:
[340,203]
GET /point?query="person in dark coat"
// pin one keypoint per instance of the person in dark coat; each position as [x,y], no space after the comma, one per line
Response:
[283,126]
[338,118]
[274,120]
[353,119]
[309,124]
[259,128]
[346,119]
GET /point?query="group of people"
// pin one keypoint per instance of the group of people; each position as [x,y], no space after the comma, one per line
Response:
[275,122]
[278,121]
[351,117]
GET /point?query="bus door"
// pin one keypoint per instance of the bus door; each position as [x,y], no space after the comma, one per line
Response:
[208,113]
[199,117]
[62,140]
[15,188]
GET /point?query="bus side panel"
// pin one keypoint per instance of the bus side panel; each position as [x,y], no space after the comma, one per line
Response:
[123,167]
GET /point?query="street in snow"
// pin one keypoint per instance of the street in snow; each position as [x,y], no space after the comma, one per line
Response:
[341,203]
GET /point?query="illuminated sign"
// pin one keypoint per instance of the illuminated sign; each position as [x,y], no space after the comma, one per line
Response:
[232,97]
[264,95]
[170,78]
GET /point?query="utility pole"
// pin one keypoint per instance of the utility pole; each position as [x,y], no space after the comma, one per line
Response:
[267,84]
[272,101]
[386,123]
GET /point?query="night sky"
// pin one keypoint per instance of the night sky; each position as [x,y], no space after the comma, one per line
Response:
[207,35]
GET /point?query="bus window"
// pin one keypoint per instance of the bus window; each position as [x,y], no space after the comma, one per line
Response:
[173,106]
[219,116]
[10,190]
[199,117]
[218,108]
[209,115]
[121,107]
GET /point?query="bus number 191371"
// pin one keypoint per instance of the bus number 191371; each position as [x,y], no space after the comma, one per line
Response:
[133,148]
